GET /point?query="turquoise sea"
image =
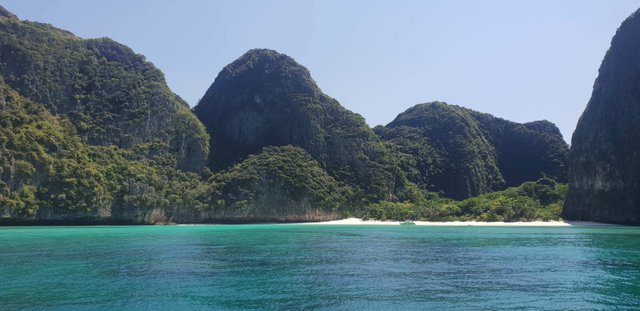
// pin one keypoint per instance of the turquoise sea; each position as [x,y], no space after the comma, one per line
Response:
[318,267]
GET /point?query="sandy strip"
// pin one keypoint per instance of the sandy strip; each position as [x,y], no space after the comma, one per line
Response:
[358,221]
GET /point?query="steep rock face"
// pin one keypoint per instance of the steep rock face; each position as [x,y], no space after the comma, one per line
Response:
[526,151]
[112,95]
[604,178]
[267,99]
[464,153]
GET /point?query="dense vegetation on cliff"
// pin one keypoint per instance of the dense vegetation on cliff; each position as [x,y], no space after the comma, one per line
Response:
[605,165]
[267,99]
[463,153]
[90,130]
[47,170]
[277,183]
[111,95]
[539,200]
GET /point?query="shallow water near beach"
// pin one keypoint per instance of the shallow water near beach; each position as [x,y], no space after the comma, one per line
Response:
[307,267]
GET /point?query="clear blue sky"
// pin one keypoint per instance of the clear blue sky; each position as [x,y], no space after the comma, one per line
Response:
[519,60]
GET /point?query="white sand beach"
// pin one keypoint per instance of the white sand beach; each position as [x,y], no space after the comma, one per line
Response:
[358,221]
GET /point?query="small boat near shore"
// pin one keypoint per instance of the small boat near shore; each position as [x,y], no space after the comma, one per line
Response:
[407,223]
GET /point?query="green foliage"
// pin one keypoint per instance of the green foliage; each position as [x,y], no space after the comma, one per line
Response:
[267,99]
[111,95]
[540,200]
[463,153]
[447,149]
[278,177]
[90,129]
[45,164]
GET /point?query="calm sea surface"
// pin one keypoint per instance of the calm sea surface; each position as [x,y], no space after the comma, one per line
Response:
[315,267]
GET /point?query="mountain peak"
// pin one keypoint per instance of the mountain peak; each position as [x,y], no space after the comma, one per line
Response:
[257,52]
[483,153]
[266,88]
[265,98]
[5,13]
[259,79]
[261,57]
[263,67]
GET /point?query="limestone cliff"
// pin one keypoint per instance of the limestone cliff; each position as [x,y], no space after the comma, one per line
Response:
[464,153]
[112,95]
[265,98]
[604,178]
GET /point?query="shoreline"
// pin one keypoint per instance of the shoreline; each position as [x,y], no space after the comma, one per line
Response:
[340,222]
[552,223]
